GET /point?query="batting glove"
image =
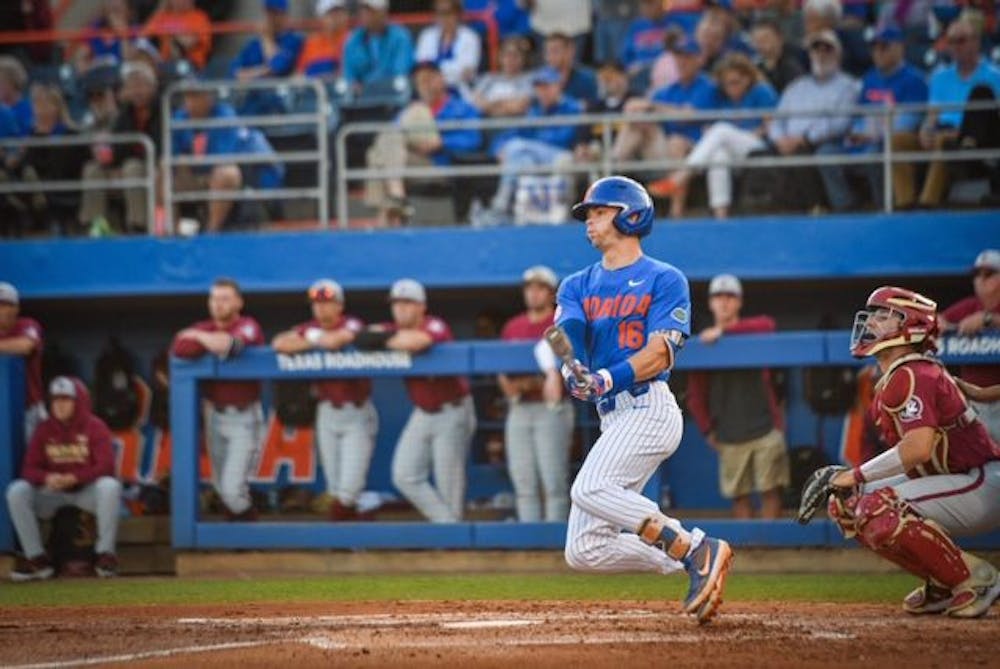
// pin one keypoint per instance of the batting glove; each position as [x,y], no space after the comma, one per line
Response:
[593,385]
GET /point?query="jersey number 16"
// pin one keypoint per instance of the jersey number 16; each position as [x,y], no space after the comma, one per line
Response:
[631,334]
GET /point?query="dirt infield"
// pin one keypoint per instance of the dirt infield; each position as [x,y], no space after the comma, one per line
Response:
[492,634]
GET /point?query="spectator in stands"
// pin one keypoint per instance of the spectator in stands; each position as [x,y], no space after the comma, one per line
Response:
[820,15]
[564,16]
[272,53]
[539,422]
[611,22]
[671,139]
[975,315]
[526,147]
[952,83]
[455,47]
[644,41]
[779,62]
[69,462]
[233,415]
[578,82]
[184,32]
[889,83]
[322,54]
[377,50]
[508,91]
[437,433]
[113,43]
[741,86]
[715,37]
[512,19]
[614,86]
[201,103]
[140,112]
[23,336]
[100,84]
[418,142]
[738,413]
[13,82]
[663,71]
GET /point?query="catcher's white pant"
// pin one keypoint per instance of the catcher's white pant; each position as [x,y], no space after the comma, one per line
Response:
[234,445]
[435,442]
[28,503]
[345,438]
[636,436]
[537,444]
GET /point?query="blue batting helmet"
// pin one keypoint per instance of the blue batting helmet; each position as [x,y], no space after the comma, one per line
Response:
[635,215]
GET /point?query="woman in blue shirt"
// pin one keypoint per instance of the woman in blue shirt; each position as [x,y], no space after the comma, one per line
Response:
[741,87]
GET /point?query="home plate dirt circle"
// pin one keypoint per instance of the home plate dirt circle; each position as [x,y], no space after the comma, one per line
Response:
[491,634]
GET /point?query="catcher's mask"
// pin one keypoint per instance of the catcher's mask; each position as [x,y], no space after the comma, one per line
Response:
[894,317]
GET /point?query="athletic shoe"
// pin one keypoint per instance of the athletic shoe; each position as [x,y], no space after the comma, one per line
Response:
[340,512]
[928,598]
[707,566]
[38,568]
[973,598]
[106,565]
[665,187]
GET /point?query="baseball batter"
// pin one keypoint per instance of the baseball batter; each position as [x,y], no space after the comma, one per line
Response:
[346,421]
[626,316]
[939,478]
[233,415]
[23,336]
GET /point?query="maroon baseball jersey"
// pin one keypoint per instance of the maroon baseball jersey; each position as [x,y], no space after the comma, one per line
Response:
[224,393]
[521,328]
[430,393]
[340,391]
[920,393]
[26,327]
[981,375]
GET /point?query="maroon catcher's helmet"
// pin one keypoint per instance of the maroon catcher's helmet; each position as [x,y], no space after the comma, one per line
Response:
[894,317]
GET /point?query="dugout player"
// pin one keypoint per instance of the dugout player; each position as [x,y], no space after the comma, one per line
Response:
[346,421]
[941,475]
[436,437]
[69,462]
[539,420]
[627,315]
[233,411]
[23,336]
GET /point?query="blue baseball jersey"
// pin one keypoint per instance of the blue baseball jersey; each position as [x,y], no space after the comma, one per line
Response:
[622,307]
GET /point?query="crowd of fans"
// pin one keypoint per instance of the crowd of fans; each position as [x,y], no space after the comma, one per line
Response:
[624,56]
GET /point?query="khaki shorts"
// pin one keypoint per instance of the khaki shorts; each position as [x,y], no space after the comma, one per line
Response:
[757,465]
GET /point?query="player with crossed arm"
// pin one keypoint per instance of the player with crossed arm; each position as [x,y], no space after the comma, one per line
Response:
[626,316]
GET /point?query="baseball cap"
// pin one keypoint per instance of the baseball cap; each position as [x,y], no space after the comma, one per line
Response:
[725,284]
[408,289]
[380,5]
[540,274]
[887,33]
[62,386]
[686,45]
[326,290]
[988,259]
[823,37]
[324,6]
[8,293]
[276,5]
[425,65]
[546,75]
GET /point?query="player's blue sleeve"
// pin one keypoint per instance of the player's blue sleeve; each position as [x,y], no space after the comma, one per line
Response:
[671,305]
[570,316]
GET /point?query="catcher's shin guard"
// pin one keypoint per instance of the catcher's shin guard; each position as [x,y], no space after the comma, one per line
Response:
[841,511]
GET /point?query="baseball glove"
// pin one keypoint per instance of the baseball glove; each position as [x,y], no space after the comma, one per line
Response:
[816,491]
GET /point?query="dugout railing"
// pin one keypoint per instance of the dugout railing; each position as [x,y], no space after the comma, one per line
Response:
[189,532]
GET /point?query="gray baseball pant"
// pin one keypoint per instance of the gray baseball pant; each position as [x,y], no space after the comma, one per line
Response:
[537,444]
[234,445]
[345,438]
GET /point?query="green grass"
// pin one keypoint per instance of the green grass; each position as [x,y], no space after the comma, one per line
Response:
[741,587]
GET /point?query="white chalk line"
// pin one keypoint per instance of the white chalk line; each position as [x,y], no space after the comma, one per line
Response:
[144,655]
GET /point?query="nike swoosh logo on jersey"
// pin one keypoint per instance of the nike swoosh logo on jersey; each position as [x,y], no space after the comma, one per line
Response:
[633,284]
[708,562]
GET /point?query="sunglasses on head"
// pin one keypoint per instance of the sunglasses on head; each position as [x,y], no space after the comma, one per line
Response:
[322,294]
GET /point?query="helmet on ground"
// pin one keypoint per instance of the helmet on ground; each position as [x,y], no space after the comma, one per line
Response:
[635,215]
[894,317]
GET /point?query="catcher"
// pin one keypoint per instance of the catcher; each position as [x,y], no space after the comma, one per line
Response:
[940,477]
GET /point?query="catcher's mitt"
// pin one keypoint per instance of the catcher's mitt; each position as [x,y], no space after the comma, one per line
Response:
[816,491]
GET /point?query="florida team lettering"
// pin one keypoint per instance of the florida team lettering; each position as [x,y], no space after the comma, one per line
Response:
[619,306]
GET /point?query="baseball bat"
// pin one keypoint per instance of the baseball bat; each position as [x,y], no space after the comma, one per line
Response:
[563,348]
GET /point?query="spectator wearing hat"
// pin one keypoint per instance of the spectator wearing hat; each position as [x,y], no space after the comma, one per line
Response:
[779,61]
[377,50]
[822,15]
[322,54]
[23,336]
[644,41]
[506,92]
[539,423]
[346,421]
[435,440]
[672,140]
[953,84]
[889,83]
[455,47]
[551,146]
[417,141]
[976,315]
[578,82]
[69,462]
[738,411]
[272,53]
[183,31]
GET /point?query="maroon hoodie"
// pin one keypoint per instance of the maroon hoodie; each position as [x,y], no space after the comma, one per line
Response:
[81,446]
